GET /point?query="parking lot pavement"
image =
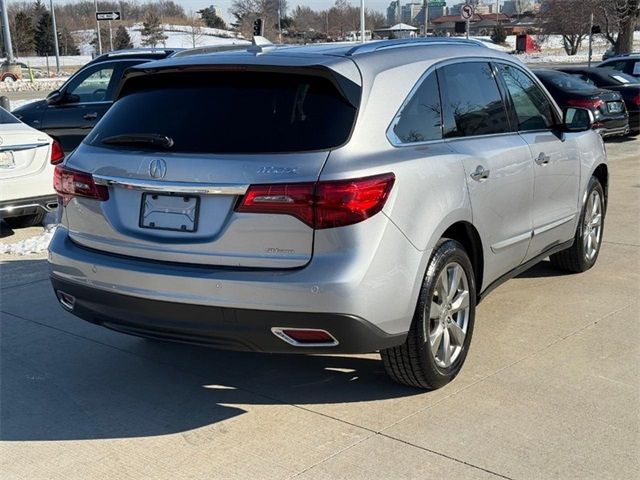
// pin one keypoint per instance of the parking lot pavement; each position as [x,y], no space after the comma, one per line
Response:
[551,388]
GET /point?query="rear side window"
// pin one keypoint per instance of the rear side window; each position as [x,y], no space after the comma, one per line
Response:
[471,102]
[6,117]
[532,107]
[232,112]
[421,117]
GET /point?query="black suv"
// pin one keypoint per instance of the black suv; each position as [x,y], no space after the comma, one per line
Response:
[69,113]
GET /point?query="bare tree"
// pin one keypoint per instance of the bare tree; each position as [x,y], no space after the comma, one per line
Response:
[617,20]
[568,18]
[196,30]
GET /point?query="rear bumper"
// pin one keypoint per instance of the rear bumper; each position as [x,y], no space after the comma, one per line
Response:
[226,328]
[614,127]
[28,206]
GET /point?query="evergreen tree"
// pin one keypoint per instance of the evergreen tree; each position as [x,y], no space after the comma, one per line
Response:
[67,43]
[152,33]
[499,34]
[22,34]
[122,39]
[211,19]
[44,35]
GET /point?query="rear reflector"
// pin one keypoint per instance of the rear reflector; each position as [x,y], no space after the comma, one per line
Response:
[305,337]
[70,183]
[326,204]
[57,154]
[585,102]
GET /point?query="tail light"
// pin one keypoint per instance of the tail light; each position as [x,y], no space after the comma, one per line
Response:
[57,154]
[585,102]
[72,183]
[636,100]
[326,204]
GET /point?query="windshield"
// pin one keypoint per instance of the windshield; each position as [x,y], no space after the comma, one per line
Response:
[6,117]
[229,112]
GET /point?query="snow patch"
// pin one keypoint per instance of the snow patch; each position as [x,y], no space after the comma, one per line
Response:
[36,244]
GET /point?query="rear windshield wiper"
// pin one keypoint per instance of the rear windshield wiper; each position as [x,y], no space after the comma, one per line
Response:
[140,139]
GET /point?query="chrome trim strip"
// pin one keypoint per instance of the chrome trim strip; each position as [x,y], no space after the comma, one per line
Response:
[26,146]
[176,187]
[278,332]
[43,206]
[552,225]
[511,241]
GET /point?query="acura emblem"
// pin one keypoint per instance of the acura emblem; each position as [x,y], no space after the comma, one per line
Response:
[157,168]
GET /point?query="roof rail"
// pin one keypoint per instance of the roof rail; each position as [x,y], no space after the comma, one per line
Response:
[412,42]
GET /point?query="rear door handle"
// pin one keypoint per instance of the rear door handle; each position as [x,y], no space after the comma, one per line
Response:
[90,116]
[480,173]
[543,159]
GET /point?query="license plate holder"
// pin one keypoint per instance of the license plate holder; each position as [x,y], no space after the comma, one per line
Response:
[7,160]
[614,107]
[173,212]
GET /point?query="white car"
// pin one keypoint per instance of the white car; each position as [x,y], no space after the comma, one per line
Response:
[27,161]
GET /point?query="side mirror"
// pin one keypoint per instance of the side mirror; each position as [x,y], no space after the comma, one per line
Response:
[578,119]
[54,97]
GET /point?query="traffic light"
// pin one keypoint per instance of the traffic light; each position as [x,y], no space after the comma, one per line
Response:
[257,27]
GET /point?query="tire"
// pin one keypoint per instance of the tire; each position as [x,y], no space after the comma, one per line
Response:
[580,257]
[25,220]
[414,363]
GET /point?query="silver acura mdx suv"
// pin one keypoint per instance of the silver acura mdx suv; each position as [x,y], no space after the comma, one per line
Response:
[325,199]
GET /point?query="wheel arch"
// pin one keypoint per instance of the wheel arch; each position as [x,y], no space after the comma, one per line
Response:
[466,234]
[601,172]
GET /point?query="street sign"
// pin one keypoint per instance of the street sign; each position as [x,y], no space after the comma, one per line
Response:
[466,12]
[108,16]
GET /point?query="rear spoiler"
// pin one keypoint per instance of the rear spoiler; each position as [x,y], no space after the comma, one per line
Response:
[349,90]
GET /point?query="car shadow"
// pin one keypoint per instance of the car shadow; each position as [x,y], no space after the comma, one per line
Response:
[5,230]
[542,270]
[64,379]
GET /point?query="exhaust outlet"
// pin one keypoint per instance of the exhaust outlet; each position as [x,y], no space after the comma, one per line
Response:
[66,300]
[305,337]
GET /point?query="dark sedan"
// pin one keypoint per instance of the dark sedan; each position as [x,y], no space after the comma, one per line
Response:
[609,112]
[626,85]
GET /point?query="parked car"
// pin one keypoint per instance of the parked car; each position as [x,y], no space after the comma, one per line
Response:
[609,111]
[325,199]
[69,113]
[628,63]
[626,85]
[27,159]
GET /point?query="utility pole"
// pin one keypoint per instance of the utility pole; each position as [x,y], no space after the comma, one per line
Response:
[280,21]
[425,8]
[362,21]
[55,37]
[6,33]
[110,37]
[98,29]
[590,38]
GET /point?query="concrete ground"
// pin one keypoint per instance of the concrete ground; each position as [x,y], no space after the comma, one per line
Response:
[551,388]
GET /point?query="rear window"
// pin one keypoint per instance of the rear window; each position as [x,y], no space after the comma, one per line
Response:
[568,82]
[6,117]
[232,112]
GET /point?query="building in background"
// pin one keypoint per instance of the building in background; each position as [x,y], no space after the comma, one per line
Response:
[393,13]
[412,14]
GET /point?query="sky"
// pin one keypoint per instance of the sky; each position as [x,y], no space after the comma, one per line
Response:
[224,5]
